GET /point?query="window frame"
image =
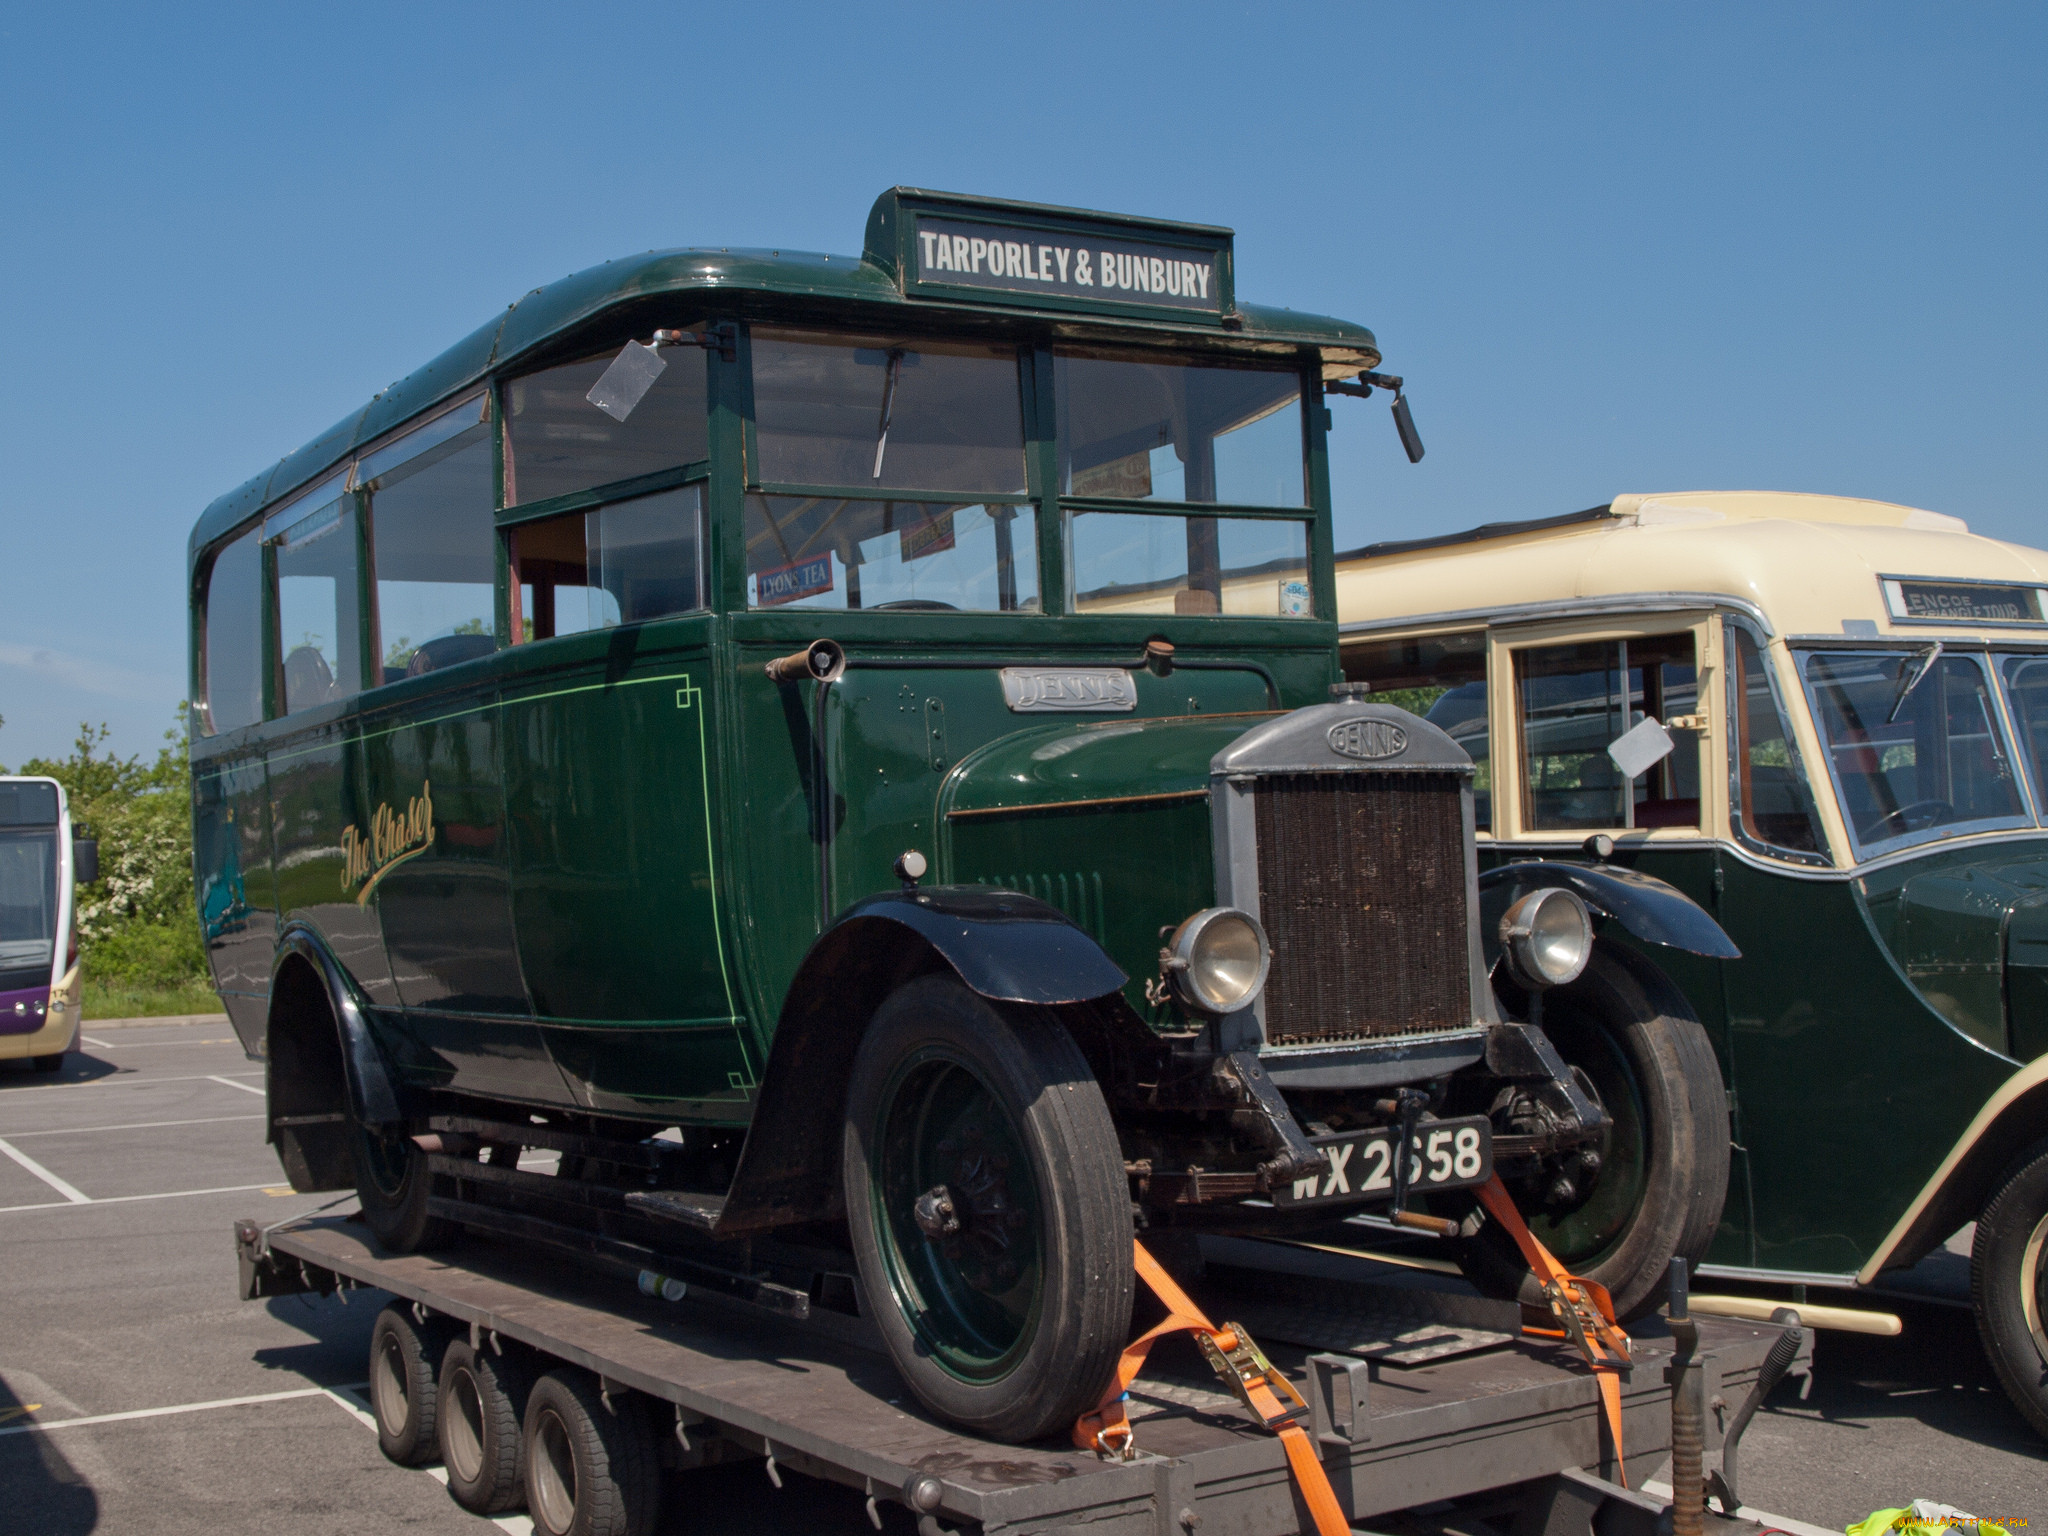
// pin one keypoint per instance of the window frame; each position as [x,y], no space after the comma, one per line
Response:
[1510,787]
[1788,717]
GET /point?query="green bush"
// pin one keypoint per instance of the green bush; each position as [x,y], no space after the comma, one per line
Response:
[138,931]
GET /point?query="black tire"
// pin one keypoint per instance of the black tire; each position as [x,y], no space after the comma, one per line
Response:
[47,1063]
[2009,1283]
[1664,1170]
[1010,1326]
[392,1183]
[405,1363]
[591,1470]
[481,1403]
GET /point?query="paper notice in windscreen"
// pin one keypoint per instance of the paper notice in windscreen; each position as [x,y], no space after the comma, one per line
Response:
[623,385]
[1637,751]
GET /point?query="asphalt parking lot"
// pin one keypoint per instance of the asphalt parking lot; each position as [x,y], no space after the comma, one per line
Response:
[138,1394]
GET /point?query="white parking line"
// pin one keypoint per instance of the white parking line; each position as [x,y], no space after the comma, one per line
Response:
[69,1192]
[124,1082]
[169,1194]
[122,1045]
[158,1413]
[139,1125]
[105,1045]
[228,1082]
[351,1402]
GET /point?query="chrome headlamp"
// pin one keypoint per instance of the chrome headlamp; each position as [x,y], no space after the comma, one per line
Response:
[1218,960]
[1547,937]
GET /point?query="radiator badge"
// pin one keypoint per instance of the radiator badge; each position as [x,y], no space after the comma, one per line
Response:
[1368,739]
[1065,690]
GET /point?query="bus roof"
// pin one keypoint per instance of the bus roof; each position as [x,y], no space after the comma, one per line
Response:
[1811,565]
[882,276]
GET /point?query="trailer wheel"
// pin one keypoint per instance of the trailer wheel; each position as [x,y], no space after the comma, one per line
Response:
[1663,1170]
[989,1210]
[392,1183]
[2009,1283]
[591,1469]
[480,1402]
[405,1359]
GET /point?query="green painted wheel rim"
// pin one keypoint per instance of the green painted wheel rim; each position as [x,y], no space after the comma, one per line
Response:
[387,1161]
[1585,1231]
[973,1298]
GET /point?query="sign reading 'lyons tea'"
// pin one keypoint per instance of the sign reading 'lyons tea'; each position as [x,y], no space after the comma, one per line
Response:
[963,254]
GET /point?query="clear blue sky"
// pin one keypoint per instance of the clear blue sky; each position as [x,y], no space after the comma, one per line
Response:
[1613,248]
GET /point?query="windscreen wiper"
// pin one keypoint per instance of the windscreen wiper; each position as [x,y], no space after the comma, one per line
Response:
[888,407]
[1928,658]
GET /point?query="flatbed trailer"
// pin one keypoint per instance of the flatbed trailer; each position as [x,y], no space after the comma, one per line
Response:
[1439,1400]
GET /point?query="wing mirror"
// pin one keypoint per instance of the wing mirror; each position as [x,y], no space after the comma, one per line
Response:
[1404,419]
[85,860]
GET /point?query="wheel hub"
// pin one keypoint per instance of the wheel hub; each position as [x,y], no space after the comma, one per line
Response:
[973,1215]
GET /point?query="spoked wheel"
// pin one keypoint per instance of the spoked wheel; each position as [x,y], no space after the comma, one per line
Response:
[392,1182]
[986,1195]
[2009,1283]
[1661,1174]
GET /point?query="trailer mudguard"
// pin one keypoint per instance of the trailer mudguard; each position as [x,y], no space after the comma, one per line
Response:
[1645,906]
[372,1097]
[1008,947]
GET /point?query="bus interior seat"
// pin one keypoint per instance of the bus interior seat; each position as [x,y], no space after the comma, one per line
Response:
[448,651]
[308,679]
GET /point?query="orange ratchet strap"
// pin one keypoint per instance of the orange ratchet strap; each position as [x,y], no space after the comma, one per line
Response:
[1247,1372]
[1583,1309]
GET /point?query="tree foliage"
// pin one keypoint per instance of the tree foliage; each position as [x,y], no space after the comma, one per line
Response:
[137,925]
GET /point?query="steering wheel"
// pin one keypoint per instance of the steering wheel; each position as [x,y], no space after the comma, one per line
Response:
[1937,812]
[922,604]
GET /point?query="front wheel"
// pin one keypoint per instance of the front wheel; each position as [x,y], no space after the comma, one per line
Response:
[989,1210]
[1663,1163]
[2009,1283]
[392,1183]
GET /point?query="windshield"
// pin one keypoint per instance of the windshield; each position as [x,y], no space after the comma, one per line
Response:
[28,903]
[1914,744]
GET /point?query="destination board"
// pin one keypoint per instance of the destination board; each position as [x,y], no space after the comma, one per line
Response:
[1014,259]
[1919,601]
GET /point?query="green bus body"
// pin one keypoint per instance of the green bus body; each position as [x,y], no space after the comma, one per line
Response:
[583,871]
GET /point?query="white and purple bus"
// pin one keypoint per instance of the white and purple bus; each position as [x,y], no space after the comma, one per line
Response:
[40,864]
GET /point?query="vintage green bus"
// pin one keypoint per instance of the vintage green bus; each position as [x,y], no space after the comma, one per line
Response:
[866,724]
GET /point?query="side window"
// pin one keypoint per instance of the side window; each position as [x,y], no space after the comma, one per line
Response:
[1573,701]
[233,683]
[1443,679]
[319,600]
[431,498]
[557,442]
[617,564]
[1771,803]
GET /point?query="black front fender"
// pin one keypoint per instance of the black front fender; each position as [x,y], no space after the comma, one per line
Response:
[1009,948]
[372,1099]
[1645,906]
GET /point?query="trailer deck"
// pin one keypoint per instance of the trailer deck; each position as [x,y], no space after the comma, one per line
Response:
[1418,1394]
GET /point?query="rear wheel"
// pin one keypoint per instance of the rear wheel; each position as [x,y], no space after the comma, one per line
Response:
[2009,1283]
[1663,1166]
[392,1183]
[405,1360]
[986,1196]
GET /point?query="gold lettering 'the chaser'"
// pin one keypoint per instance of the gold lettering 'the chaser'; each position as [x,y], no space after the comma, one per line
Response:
[394,837]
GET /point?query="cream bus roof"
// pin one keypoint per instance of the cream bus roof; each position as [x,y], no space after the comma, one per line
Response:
[1808,562]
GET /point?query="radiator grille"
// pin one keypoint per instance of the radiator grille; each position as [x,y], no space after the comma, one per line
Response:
[1362,890]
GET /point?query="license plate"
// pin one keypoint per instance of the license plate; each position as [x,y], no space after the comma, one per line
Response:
[1442,1154]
